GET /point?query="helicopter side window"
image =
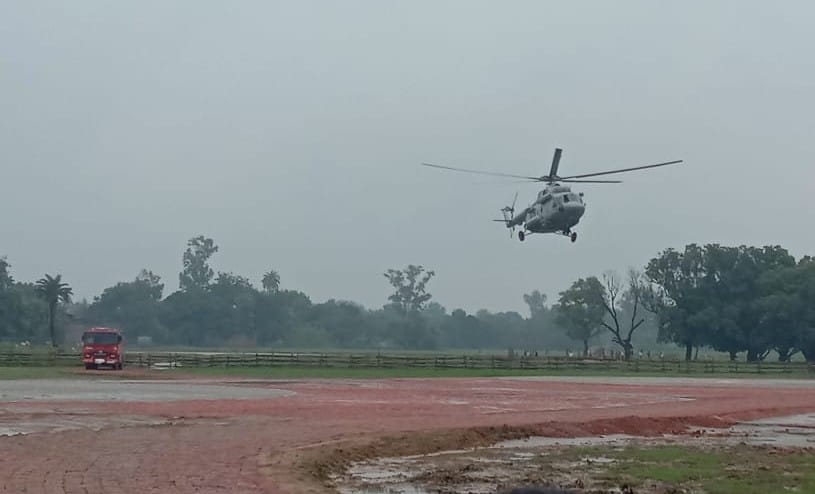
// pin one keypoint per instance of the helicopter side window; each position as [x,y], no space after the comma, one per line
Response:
[565,198]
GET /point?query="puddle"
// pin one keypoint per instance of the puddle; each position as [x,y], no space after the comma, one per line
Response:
[77,422]
[543,442]
[485,470]
[395,489]
[797,431]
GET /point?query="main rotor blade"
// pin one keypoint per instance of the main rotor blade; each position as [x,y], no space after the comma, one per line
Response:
[496,174]
[591,181]
[621,170]
[555,162]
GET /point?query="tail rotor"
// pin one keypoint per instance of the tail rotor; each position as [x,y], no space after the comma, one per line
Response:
[509,214]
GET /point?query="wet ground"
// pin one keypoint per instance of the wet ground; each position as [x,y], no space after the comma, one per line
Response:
[29,390]
[271,436]
[487,470]
[57,403]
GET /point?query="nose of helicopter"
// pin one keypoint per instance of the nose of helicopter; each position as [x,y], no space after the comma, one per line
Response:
[572,211]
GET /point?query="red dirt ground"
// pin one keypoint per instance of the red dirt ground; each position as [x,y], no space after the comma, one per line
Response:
[260,446]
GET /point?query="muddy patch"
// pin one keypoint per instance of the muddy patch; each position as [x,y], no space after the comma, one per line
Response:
[566,462]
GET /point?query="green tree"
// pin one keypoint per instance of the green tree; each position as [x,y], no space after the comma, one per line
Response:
[500,329]
[6,281]
[9,303]
[785,311]
[536,301]
[461,330]
[196,273]
[234,301]
[53,291]
[231,280]
[679,296]
[280,314]
[271,281]
[733,285]
[132,306]
[346,323]
[712,295]
[411,287]
[580,311]
[23,314]
[151,283]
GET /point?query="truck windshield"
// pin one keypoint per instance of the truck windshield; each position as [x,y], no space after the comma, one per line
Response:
[100,338]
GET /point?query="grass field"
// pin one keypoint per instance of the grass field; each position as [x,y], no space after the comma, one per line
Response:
[294,372]
[717,470]
[340,372]
[37,372]
[664,469]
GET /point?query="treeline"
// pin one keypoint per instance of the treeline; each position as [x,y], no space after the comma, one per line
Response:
[751,300]
[734,299]
[225,309]
[739,300]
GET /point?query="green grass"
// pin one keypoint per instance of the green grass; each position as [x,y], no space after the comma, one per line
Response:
[720,470]
[368,372]
[669,464]
[30,372]
[293,372]
[347,372]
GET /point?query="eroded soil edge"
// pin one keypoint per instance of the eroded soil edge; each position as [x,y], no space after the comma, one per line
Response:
[311,468]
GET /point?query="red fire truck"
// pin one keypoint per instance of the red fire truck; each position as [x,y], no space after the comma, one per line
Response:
[103,347]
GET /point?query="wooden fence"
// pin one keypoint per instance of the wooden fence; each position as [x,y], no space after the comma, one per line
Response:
[430,361]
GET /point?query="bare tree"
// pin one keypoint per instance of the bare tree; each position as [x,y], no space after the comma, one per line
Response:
[621,325]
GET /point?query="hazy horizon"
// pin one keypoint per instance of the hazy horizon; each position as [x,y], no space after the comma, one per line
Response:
[291,134]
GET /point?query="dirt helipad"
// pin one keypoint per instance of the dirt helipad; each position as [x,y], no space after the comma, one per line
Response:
[203,436]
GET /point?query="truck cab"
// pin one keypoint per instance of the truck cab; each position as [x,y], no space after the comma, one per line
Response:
[103,347]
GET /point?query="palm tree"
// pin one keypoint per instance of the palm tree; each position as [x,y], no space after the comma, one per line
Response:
[271,281]
[53,291]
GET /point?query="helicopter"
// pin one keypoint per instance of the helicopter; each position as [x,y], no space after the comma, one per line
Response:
[556,208]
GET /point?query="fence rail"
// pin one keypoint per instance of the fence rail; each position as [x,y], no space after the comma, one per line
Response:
[432,361]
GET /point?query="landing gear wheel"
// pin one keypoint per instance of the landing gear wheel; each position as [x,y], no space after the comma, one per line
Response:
[521,236]
[573,236]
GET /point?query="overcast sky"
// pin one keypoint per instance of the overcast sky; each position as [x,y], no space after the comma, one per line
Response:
[291,133]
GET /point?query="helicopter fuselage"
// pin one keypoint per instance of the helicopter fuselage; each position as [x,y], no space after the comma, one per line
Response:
[556,209]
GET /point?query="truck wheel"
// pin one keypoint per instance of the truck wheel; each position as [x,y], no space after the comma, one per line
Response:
[89,366]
